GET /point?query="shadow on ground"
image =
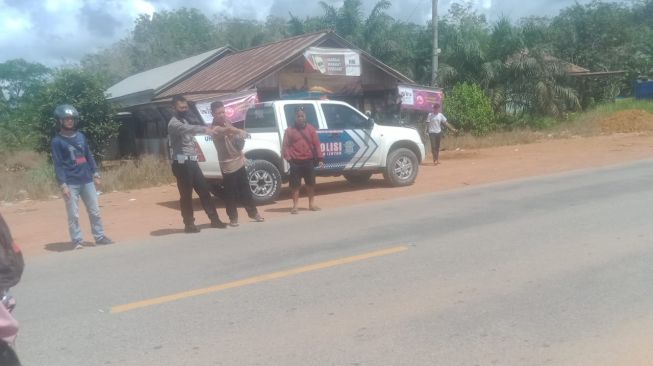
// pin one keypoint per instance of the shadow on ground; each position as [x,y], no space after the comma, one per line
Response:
[284,209]
[180,230]
[321,189]
[65,246]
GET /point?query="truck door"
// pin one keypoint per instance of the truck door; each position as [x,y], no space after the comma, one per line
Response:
[348,141]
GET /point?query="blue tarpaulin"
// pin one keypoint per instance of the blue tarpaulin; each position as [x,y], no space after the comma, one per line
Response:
[644,89]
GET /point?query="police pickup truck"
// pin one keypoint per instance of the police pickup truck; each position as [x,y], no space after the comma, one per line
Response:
[353,146]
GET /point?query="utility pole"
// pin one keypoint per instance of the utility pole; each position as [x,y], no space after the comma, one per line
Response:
[436,50]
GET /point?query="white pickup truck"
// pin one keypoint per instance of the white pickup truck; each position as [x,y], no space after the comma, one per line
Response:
[353,146]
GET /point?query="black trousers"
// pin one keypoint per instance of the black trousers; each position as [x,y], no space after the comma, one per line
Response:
[189,177]
[236,189]
[435,144]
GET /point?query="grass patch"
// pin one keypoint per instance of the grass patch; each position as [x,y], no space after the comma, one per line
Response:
[25,174]
[622,116]
[29,175]
[149,171]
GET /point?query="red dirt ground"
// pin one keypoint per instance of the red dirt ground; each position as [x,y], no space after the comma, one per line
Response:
[40,226]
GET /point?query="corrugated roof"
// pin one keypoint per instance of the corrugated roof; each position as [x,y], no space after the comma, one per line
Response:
[160,77]
[237,70]
[240,70]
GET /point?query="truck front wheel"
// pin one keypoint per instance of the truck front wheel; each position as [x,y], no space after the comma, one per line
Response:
[401,168]
[264,181]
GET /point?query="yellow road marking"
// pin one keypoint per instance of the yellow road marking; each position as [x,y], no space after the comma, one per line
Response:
[253,280]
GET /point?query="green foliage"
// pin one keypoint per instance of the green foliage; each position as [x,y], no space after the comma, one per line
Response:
[517,64]
[535,84]
[21,83]
[604,36]
[470,109]
[111,65]
[242,33]
[464,40]
[168,36]
[85,92]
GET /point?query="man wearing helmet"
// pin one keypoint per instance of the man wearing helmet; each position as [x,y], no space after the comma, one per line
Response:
[77,175]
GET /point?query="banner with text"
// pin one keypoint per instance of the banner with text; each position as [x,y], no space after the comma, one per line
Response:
[235,107]
[333,61]
[419,98]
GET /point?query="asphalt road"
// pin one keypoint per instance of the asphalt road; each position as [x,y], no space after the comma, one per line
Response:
[547,271]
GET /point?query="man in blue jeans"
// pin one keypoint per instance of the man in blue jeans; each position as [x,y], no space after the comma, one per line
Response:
[77,175]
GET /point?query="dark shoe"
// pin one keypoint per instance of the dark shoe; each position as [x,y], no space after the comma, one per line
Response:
[104,241]
[218,224]
[190,229]
[315,208]
[233,223]
[294,211]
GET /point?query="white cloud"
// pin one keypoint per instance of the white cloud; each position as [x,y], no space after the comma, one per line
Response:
[143,7]
[54,31]
[12,22]
[56,6]
[15,24]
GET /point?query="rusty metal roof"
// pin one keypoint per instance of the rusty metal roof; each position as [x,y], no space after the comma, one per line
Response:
[237,71]
[242,69]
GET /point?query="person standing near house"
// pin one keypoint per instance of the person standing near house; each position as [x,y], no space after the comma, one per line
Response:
[434,122]
[185,167]
[77,175]
[229,143]
[301,148]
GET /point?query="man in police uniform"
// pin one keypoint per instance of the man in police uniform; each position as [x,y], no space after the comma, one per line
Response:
[181,134]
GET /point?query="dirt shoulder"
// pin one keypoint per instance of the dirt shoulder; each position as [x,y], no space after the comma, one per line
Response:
[40,226]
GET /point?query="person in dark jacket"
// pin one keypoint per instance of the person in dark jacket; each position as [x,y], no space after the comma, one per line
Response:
[185,167]
[301,148]
[77,175]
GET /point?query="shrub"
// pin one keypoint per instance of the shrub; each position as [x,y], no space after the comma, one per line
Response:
[86,93]
[470,109]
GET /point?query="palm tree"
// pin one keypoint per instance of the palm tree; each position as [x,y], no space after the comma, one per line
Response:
[537,83]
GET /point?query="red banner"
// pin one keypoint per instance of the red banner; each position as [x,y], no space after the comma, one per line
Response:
[419,98]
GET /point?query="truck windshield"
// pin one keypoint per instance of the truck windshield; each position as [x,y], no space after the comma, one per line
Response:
[260,119]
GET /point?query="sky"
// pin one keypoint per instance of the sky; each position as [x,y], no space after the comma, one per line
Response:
[58,32]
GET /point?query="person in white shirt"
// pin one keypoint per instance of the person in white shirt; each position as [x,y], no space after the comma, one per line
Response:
[434,123]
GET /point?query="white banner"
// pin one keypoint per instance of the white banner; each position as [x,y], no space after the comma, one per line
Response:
[334,61]
[235,107]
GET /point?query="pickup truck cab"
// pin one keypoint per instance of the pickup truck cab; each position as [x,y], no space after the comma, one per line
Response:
[353,146]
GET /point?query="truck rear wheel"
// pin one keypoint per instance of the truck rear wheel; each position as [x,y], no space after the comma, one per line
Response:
[401,168]
[264,181]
